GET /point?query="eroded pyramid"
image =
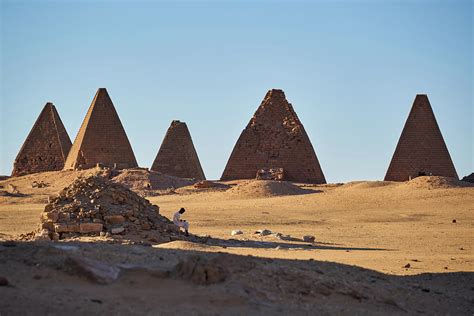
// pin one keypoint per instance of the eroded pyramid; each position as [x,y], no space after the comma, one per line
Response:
[101,138]
[274,138]
[46,147]
[421,149]
[177,155]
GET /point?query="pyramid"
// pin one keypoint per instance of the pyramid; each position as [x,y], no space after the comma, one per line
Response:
[177,155]
[46,147]
[101,138]
[274,138]
[421,149]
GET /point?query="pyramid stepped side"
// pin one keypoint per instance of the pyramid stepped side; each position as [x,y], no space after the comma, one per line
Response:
[421,148]
[274,138]
[177,155]
[46,147]
[101,138]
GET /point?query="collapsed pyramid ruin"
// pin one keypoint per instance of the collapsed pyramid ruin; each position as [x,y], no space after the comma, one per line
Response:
[46,147]
[101,138]
[177,155]
[421,149]
[95,205]
[274,138]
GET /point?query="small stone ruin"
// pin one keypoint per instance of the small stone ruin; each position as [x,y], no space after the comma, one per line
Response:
[97,206]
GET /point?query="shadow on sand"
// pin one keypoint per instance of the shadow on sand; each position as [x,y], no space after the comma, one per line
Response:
[301,245]
[113,278]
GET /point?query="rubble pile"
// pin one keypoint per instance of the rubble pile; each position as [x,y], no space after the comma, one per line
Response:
[206,184]
[469,178]
[270,174]
[150,183]
[96,206]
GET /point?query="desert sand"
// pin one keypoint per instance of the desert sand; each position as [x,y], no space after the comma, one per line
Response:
[381,247]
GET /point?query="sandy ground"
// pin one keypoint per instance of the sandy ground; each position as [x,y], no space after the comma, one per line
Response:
[380,226]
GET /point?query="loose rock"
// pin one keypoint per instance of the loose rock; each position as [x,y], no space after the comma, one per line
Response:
[263,232]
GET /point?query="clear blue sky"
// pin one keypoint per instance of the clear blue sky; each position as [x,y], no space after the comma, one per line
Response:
[351,69]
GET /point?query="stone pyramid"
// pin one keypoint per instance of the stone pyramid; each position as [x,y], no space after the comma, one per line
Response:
[177,155]
[46,147]
[421,149]
[101,138]
[274,138]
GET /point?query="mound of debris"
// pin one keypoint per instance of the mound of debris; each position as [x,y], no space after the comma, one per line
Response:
[270,174]
[206,184]
[469,178]
[436,182]
[265,188]
[95,206]
[149,183]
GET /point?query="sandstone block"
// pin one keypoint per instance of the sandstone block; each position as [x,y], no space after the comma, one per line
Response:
[117,230]
[48,225]
[66,227]
[42,235]
[90,227]
[114,219]
[49,216]
[146,226]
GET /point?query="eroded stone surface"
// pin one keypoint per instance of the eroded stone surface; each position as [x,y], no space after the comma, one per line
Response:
[46,147]
[274,138]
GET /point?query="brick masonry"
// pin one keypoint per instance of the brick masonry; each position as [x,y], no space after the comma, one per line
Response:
[274,138]
[46,147]
[421,148]
[101,138]
[177,155]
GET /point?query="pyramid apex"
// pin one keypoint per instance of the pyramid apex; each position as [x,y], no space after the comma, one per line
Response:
[102,92]
[421,97]
[421,100]
[276,93]
[49,106]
